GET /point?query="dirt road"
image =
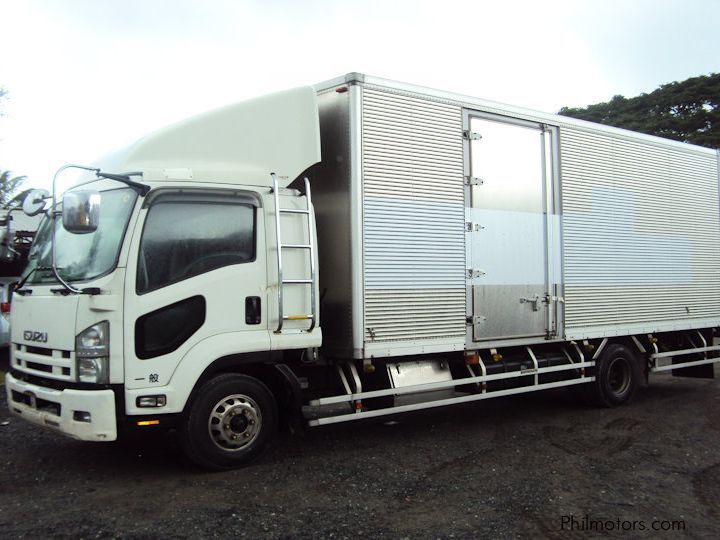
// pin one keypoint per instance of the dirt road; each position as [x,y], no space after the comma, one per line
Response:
[505,467]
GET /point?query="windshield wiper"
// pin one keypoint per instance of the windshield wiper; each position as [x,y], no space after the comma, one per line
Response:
[18,287]
[140,189]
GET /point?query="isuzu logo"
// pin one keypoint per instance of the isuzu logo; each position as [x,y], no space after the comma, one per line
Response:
[29,335]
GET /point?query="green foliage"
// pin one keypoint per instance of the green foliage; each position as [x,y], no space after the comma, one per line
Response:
[9,185]
[687,111]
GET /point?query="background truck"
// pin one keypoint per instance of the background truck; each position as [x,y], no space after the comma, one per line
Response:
[16,234]
[452,250]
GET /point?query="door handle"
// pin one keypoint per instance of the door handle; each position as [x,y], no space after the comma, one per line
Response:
[253,311]
[534,300]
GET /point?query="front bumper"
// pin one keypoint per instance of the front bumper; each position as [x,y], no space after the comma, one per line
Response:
[87,415]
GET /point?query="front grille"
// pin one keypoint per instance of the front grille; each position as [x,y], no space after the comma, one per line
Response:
[55,364]
[39,367]
[38,350]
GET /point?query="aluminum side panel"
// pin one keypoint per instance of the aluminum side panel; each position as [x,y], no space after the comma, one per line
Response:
[413,224]
[640,233]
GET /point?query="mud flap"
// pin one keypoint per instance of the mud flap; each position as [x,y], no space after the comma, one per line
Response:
[293,393]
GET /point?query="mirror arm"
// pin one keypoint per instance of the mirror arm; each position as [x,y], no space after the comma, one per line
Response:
[54,214]
[141,189]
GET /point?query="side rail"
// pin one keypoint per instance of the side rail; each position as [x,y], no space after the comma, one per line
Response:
[570,359]
[697,349]
[486,374]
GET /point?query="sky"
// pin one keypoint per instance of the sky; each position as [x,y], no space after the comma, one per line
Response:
[85,77]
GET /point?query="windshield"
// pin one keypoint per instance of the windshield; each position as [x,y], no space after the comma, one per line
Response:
[81,257]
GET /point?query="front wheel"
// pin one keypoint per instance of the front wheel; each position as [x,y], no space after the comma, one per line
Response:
[232,418]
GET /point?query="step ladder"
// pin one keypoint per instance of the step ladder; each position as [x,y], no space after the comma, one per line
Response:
[309,247]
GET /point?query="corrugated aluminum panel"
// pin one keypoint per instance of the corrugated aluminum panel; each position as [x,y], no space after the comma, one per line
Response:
[413,220]
[640,232]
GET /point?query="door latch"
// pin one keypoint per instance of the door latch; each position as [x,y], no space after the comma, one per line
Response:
[534,300]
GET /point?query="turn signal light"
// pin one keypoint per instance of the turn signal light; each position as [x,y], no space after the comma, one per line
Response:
[148,422]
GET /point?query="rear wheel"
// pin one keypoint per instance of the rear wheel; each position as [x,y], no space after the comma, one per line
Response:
[232,418]
[617,373]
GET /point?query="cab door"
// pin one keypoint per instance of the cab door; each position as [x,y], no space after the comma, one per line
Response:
[196,273]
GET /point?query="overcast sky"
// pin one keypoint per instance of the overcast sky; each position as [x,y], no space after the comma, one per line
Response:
[87,76]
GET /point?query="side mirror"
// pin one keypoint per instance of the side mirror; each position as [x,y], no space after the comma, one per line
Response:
[81,211]
[34,202]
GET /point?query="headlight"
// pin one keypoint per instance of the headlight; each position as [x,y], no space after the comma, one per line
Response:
[92,354]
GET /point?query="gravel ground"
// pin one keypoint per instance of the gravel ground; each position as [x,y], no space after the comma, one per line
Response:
[502,468]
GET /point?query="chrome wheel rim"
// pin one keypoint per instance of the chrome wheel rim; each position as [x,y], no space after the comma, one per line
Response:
[234,422]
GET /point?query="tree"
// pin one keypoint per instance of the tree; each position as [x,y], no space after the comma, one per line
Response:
[8,185]
[687,111]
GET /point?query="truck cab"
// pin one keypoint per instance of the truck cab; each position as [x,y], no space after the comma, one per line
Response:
[149,279]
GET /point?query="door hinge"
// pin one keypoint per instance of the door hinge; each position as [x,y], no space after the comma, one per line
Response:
[474,181]
[475,320]
[471,135]
[472,273]
[473,227]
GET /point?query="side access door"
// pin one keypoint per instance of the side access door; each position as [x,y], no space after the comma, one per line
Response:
[513,252]
[196,283]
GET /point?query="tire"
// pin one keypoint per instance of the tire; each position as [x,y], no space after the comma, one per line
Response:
[617,374]
[231,420]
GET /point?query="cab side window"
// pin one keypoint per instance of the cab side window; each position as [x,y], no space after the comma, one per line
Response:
[182,239]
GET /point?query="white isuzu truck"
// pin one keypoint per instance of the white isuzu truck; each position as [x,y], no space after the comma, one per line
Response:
[453,250]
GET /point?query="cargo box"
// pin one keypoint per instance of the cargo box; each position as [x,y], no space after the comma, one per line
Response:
[449,223]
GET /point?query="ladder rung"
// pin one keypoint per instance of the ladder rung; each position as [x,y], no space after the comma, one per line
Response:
[296,246]
[298,317]
[293,211]
[296,281]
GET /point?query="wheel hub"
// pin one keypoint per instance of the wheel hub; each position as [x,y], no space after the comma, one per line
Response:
[239,423]
[234,422]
